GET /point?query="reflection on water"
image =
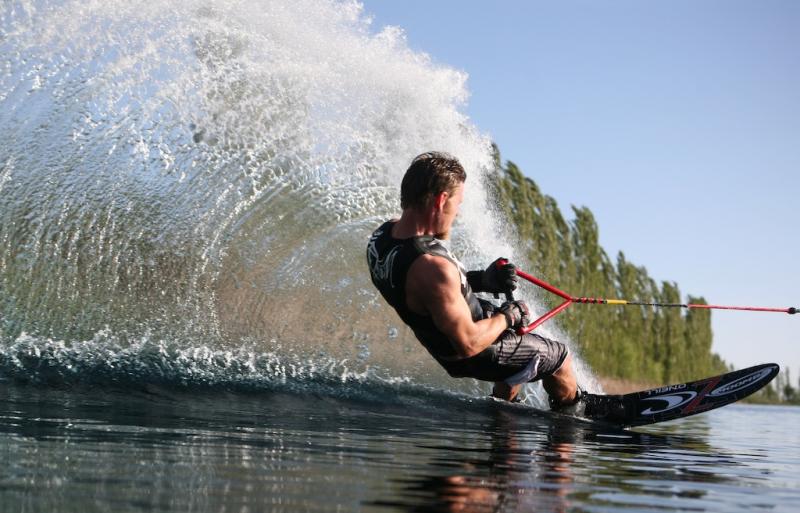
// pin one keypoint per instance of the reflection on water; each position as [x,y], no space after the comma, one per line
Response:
[167,450]
[506,475]
[554,465]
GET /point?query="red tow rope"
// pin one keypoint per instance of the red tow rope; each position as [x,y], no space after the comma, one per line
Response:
[569,299]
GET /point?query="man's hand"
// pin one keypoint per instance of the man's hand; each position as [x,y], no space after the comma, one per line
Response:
[517,314]
[496,278]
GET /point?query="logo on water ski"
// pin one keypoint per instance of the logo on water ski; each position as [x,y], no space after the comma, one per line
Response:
[673,401]
[691,398]
[669,388]
[741,383]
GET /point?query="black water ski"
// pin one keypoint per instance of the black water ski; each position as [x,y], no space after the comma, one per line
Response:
[676,401]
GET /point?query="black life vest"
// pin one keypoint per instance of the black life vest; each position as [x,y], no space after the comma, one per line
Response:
[389,260]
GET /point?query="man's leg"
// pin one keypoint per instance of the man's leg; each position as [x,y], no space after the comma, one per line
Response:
[562,386]
[533,355]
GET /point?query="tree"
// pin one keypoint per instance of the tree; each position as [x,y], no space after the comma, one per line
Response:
[628,342]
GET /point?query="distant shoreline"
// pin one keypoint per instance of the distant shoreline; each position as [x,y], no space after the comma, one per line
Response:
[624,386]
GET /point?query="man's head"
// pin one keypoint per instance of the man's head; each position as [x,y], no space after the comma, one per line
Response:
[434,187]
[429,175]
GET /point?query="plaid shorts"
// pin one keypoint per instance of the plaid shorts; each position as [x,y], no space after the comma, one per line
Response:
[528,357]
[513,359]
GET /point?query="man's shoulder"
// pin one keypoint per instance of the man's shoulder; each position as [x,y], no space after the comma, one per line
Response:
[431,280]
[432,268]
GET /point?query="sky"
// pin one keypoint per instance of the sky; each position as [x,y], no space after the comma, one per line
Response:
[677,123]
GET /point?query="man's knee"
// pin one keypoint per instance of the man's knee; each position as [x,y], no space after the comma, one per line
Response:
[503,390]
[566,368]
[562,386]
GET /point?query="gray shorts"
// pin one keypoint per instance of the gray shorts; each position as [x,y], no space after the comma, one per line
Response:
[513,359]
[529,357]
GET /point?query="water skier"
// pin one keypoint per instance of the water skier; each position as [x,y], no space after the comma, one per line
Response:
[435,296]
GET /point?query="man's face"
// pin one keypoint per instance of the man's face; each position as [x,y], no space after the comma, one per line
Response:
[449,212]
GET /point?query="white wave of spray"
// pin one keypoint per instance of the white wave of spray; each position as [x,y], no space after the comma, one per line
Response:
[206,172]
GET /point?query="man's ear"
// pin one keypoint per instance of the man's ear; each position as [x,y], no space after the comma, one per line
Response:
[440,199]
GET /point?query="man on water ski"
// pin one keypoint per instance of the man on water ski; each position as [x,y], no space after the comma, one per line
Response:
[435,296]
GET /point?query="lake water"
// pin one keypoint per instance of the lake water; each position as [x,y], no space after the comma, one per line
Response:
[414,449]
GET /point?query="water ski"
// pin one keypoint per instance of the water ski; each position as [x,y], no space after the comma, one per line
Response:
[673,401]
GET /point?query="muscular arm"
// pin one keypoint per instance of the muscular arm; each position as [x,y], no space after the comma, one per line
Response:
[433,288]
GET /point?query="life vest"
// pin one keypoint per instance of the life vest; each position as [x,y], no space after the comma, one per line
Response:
[389,260]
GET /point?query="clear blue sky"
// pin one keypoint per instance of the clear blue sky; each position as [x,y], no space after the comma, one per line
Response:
[677,123]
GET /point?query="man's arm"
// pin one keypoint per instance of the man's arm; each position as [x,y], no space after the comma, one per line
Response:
[433,287]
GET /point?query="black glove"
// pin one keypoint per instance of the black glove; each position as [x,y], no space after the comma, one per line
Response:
[495,279]
[517,314]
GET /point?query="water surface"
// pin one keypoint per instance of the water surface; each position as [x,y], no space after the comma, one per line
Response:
[155,449]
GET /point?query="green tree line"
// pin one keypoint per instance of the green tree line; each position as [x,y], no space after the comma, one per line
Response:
[628,342]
